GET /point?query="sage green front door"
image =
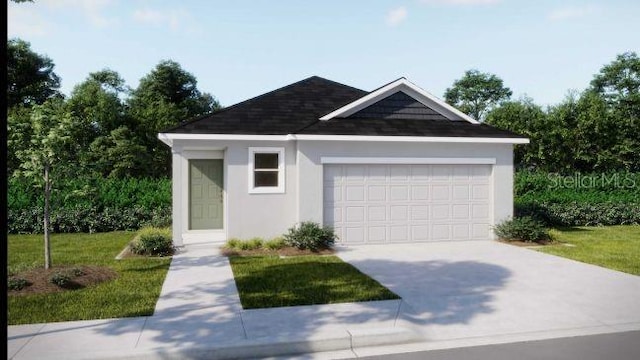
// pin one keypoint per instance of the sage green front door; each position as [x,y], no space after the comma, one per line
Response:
[205,194]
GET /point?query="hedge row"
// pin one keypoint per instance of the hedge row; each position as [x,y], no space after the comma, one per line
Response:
[87,219]
[580,214]
[578,199]
[90,205]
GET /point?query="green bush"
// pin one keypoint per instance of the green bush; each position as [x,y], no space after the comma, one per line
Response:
[16,283]
[310,235]
[153,241]
[275,243]
[580,214]
[76,271]
[60,278]
[90,205]
[233,243]
[523,229]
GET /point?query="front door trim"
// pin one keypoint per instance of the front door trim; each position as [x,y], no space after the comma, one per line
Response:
[190,236]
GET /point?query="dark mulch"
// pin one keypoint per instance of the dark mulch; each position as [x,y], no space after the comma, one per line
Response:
[38,279]
[286,251]
[528,244]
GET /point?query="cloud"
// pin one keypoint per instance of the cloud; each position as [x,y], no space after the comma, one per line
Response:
[396,16]
[93,10]
[173,19]
[22,22]
[461,2]
[571,12]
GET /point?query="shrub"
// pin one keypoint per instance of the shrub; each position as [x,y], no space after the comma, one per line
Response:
[76,271]
[580,214]
[153,241]
[61,279]
[522,228]
[310,235]
[16,283]
[275,244]
[233,243]
[252,244]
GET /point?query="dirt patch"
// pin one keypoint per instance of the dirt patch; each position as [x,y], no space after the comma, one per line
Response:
[286,251]
[81,276]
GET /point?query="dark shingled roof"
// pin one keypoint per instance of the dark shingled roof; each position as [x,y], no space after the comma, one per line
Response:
[279,112]
[296,109]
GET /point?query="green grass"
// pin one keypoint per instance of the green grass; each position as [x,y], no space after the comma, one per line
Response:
[133,293]
[613,247]
[271,281]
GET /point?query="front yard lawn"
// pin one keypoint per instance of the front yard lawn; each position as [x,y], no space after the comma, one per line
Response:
[273,281]
[613,247]
[133,292]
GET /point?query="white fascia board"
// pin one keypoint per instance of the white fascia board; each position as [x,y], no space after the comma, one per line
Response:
[411,139]
[399,85]
[405,161]
[168,138]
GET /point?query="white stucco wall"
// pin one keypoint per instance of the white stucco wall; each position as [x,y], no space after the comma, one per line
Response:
[310,207]
[269,215]
[246,215]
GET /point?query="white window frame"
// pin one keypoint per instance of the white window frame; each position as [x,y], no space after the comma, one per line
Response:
[266,189]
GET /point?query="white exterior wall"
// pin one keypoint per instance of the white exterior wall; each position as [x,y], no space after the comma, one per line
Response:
[246,215]
[269,215]
[310,168]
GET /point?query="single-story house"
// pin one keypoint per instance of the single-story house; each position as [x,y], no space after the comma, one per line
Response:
[391,165]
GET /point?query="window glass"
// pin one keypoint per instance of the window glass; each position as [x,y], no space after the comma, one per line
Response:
[265,178]
[265,161]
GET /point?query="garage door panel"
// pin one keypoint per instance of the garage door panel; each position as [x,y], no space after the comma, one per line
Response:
[377,213]
[354,235]
[399,212]
[398,192]
[440,192]
[419,212]
[419,192]
[461,192]
[378,173]
[355,173]
[407,203]
[399,173]
[377,234]
[376,193]
[398,233]
[354,193]
[354,214]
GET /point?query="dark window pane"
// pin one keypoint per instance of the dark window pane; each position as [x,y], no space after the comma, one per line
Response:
[266,161]
[265,178]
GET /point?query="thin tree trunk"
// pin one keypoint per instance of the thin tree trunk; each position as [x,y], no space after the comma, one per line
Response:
[47,195]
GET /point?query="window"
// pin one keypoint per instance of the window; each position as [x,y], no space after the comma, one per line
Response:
[266,170]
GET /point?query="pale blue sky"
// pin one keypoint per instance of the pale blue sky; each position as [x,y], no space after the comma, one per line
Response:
[238,49]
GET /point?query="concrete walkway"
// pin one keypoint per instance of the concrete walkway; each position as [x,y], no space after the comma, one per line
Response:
[199,316]
[453,295]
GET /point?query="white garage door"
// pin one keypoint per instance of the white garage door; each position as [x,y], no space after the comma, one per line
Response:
[368,204]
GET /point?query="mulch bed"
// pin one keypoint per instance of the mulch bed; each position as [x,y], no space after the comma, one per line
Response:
[527,244]
[38,279]
[286,251]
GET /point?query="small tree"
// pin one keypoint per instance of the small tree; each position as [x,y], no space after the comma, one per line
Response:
[476,93]
[51,123]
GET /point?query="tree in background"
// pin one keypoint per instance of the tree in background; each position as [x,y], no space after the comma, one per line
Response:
[30,76]
[165,97]
[110,148]
[522,117]
[44,160]
[476,93]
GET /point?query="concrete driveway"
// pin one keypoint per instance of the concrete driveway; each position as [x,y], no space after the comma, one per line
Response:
[490,290]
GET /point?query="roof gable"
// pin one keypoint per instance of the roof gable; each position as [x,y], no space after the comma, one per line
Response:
[407,87]
[398,106]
